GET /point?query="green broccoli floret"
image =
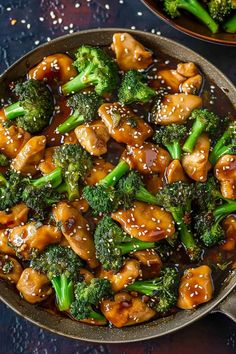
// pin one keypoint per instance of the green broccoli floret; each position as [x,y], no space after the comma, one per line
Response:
[85,107]
[172,7]
[219,9]
[4,161]
[96,68]
[208,229]
[34,108]
[226,144]
[177,198]
[103,198]
[112,243]
[87,298]
[170,136]
[134,88]
[163,290]
[11,187]
[62,266]
[75,162]
[204,121]
[230,25]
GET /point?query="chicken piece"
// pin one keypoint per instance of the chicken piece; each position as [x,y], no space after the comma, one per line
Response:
[187,69]
[229,225]
[88,276]
[175,172]
[75,228]
[100,169]
[126,275]
[12,140]
[27,238]
[126,310]
[130,54]
[154,183]
[196,164]
[81,204]
[28,159]
[70,138]
[4,243]
[93,137]
[171,78]
[225,172]
[46,165]
[150,263]
[123,124]
[17,215]
[175,109]
[56,65]
[146,222]
[34,286]
[196,287]
[192,85]
[10,269]
[147,159]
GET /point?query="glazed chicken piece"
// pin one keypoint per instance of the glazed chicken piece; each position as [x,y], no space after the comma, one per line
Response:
[75,228]
[229,225]
[196,287]
[4,243]
[27,238]
[17,215]
[146,222]
[192,85]
[171,78]
[126,275]
[12,140]
[196,164]
[34,286]
[154,183]
[147,159]
[70,138]
[100,169]
[187,69]
[150,263]
[58,66]
[10,269]
[123,124]
[175,108]
[81,204]
[175,172]
[130,54]
[126,310]
[46,165]
[93,137]
[28,159]
[225,172]
[88,276]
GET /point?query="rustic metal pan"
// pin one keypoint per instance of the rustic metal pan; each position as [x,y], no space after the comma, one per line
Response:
[157,328]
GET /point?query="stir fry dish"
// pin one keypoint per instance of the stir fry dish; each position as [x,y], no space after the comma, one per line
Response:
[117,185]
[214,14]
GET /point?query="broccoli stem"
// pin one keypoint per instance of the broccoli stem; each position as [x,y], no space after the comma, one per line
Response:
[186,236]
[146,287]
[3,181]
[112,178]
[225,209]
[144,196]
[196,130]
[127,247]
[97,316]
[230,25]
[195,8]
[71,123]
[81,81]
[216,154]
[64,291]
[14,110]
[219,146]
[54,179]
[174,150]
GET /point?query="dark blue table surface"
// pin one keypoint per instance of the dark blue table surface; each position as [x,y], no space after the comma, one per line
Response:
[25,24]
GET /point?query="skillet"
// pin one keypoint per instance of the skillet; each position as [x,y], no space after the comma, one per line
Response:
[225,298]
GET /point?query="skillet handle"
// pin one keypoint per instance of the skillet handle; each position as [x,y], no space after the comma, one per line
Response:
[228,306]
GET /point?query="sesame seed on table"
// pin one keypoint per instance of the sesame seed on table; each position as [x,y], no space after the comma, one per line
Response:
[25,24]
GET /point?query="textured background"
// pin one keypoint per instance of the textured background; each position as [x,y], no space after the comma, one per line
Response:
[24,24]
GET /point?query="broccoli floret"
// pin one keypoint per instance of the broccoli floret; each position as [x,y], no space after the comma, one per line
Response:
[75,162]
[219,9]
[62,266]
[170,136]
[134,88]
[177,198]
[172,7]
[96,68]
[11,187]
[230,25]
[34,108]
[208,229]
[87,298]
[85,107]
[103,198]
[204,121]
[112,243]
[163,290]
[4,161]
[130,188]
[226,144]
